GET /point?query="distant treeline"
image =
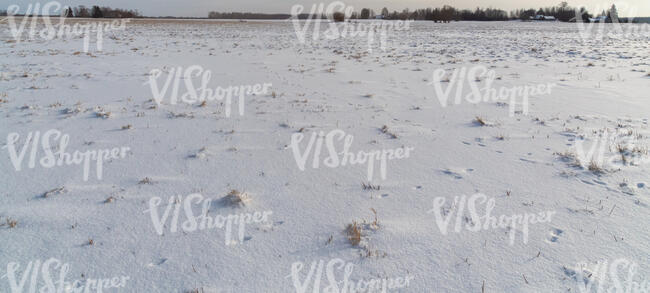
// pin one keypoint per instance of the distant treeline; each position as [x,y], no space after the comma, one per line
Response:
[94,12]
[562,12]
[100,12]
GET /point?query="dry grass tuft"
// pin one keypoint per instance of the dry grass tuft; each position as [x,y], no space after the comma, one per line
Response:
[570,158]
[640,150]
[146,180]
[72,111]
[375,223]
[354,233]
[11,223]
[623,150]
[369,186]
[101,113]
[566,155]
[189,115]
[596,168]
[54,191]
[236,198]
[480,121]
[384,129]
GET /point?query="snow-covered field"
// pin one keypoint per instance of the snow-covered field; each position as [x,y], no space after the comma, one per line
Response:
[575,161]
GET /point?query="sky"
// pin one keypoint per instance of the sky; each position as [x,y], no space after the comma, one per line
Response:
[200,8]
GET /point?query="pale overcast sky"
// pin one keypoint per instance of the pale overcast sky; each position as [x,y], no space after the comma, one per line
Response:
[201,8]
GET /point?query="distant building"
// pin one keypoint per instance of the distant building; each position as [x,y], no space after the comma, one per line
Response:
[601,18]
[379,16]
[543,18]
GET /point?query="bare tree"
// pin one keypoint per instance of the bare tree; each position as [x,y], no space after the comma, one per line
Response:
[384,12]
[365,13]
[339,16]
[82,11]
[97,12]
[67,12]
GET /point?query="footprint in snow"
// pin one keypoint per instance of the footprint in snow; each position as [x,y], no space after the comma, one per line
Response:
[160,262]
[555,235]
[586,182]
[457,174]
[599,182]
[528,161]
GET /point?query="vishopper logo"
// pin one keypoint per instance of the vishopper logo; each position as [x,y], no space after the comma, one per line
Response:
[343,157]
[610,149]
[203,93]
[481,81]
[203,221]
[339,273]
[53,278]
[342,29]
[619,276]
[50,31]
[55,155]
[608,23]
[477,221]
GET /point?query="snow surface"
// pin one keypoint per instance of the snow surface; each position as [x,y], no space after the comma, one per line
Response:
[323,86]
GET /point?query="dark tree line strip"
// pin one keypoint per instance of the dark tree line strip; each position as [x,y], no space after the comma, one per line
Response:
[100,12]
[562,12]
